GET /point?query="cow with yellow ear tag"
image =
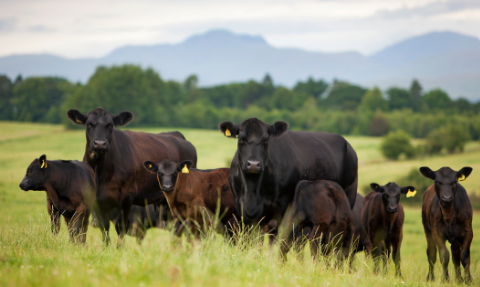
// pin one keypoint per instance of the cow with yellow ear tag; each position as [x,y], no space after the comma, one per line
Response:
[191,192]
[70,188]
[447,215]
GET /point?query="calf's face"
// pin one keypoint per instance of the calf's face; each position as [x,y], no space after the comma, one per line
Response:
[100,125]
[253,137]
[167,172]
[446,180]
[391,194]
[35,177]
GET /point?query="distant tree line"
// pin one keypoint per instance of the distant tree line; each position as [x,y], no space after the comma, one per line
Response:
[337,107]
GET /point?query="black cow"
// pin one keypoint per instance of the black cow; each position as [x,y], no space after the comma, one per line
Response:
[382,218]
[323,207]
[270,161]
[447,215]
[117,158]
[70,187]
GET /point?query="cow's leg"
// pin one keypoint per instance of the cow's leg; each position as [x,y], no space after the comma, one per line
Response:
[444,255]
[386,256]
[465,255]
[122,221]
[54,217]
[77,224]
[377,252]
[432,255]
[103,223]
[84,229]
[347,245]
[455,248]
[396,244]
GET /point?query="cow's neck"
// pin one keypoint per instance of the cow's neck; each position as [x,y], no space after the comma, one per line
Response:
[103,163]
[180,184]
[388,218]
[448,214]
[52,184]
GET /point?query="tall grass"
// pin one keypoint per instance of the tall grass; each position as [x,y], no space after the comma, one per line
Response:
[31,256]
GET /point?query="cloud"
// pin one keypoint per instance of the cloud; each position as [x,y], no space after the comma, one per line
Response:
[430,9]
[40,29]
[7,25]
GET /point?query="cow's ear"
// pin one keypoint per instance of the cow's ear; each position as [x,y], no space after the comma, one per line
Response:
[278,128]
[42,160]
[427,172]
[76,117]
[228,129]
[123,118]
[376,187]
[464,173]
[184,166]
[408,190]
[150,166]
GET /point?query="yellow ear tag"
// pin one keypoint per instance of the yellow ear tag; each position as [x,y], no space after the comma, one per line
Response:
[44,164]
[185,169]
[411,193]
[149,166]
[78,121]
[462,178]
[227,133]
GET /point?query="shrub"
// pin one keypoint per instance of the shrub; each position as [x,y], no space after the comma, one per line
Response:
[395,144]
[452,137]
[379,126]
[434,142]
[456,138]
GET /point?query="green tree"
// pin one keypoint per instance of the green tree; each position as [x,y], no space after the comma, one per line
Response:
[379,125]
[397,143]
[437,100]
[416,93]
[311,87]
[37,99]
[344,96]
[120,88]
[434,141]
[6,93]
[399,99]
[456,137]
[373,101]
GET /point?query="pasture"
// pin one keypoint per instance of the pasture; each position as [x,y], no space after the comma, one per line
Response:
[31,255]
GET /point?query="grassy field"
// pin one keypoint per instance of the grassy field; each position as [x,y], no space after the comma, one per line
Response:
[30,255]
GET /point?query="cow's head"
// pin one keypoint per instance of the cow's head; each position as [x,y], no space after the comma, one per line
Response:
[446,180]
[100,124]
[391,194]
[36,175]
[253,137]
[167,172]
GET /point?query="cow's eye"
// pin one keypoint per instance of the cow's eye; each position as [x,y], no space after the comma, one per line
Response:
[109,126]
[89,126]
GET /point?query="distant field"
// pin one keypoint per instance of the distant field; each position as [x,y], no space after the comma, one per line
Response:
[29,255]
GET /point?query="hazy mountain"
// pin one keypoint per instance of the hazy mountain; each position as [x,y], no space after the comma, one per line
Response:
[428,45]
[445,59]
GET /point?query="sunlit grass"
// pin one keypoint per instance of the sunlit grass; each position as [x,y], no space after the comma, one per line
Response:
[31,255]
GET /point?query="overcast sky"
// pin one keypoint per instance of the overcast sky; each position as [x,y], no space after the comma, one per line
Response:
[93,28]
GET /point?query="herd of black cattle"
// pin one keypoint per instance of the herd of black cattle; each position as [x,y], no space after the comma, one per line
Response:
[138,180]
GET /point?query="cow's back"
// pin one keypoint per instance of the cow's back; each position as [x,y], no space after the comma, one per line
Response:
[318,155]
[208,185]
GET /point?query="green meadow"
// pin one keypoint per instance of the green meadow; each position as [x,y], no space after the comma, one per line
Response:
[31,255]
